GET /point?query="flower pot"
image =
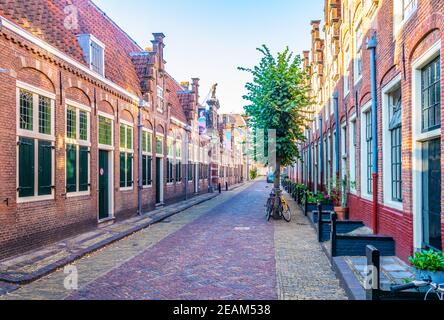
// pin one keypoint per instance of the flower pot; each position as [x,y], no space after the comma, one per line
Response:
[437,277]
[342,213]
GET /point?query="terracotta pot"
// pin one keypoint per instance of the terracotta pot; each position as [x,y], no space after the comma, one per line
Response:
[342,213]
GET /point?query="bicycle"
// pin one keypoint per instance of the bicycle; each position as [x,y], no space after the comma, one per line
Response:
[283,209]
[438,289]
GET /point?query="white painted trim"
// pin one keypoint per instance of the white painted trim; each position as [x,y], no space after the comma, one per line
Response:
[366,194]
[36,90]
[386,145]
[106,115]
[78,105]
[56,52]
[417,138]
[127,123]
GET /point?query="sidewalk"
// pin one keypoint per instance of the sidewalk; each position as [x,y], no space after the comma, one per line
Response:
[33,265]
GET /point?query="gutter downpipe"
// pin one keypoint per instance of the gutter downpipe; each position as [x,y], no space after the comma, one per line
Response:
[309,160]
[142,104]
[336,100]
[321,152]
[188,129]
[371,45]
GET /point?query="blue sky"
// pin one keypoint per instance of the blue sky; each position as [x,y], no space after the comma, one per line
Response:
[209,39]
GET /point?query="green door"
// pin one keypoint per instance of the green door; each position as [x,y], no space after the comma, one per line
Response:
[103,185]
[158,180]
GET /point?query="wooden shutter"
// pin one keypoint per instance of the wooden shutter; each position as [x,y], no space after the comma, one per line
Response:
[122,170]
[83,168]
[71,168]
[26,167]
[129,170]
[45,168]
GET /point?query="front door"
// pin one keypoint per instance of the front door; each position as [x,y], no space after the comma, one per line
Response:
[159,180]
[104,198]
[431,203]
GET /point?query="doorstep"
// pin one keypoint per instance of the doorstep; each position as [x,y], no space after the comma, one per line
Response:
[33,265]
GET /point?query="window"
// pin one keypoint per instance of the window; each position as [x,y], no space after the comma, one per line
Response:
[93,52]
[77,150]
[431,96]
[35,143]
[353,154]
[358,53]
[402,11]
[170,160]
[396,144]
[178,161]
[126,156]
[160,99]
[159,145]
[105,131]
[147,159]
[346,72]
[369,151]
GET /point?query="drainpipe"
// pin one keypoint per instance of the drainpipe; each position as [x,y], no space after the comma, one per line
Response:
[142,105]
[321,152]
[309,159]
[371,45]
[188,129]
[336,102]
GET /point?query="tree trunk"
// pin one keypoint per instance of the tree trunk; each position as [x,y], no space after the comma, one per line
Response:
[277,175]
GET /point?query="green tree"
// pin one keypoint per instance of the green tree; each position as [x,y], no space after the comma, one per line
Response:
[279,97]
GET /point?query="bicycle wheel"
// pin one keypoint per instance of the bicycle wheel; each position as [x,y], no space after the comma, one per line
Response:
[269,209]
[286,213]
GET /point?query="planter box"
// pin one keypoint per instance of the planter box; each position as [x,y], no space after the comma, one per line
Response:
[437,277]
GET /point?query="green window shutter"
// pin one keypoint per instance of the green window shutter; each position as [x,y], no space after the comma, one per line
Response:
[129,171]
[45,168]
[122,170]
[144,170]
[71,168]
[150,170]
[26,167]
[83,168]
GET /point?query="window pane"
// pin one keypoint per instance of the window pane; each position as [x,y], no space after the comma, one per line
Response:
[122,136]
[105,134]
[83,123]
[150,142]
[71,168]
[26,167]
[122,170]
[96,58]
[144,141]
[83,168]
[430,97]
[129,170]
[26,110]
[71,131]
[44,115]
[159,145]
[45,168]
[129,137]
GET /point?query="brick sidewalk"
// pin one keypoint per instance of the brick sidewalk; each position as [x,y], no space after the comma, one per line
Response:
[34,265]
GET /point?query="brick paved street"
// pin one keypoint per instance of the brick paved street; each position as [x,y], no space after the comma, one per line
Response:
[221,249]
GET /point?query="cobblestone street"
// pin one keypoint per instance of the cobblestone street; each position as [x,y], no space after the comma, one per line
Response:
[221,249]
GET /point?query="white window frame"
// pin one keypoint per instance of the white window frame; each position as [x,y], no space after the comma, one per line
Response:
[112,118]
[127,151]
[346,71]
[358,50]
[149,154]
[79,143]
[171,157]
[386,144]
[400,17]
[34,134]
[366,194]
[353,154]
[418,138]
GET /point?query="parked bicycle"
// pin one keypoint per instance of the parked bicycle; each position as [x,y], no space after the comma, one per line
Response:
[438,289]
[281,205]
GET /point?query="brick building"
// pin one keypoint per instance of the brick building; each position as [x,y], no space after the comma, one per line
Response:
[79,99]
[392,166]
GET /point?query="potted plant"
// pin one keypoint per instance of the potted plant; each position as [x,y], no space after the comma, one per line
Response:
[339,196]
[429,263]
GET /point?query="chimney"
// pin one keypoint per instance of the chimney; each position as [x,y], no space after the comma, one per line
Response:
[158,46]
[306,59]
[195,87]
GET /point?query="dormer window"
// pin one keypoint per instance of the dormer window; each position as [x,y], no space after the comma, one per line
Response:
[93,52]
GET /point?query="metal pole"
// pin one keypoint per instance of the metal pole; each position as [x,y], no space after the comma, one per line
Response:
[336,100]
[139,159]
[321,152]
[371,45]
